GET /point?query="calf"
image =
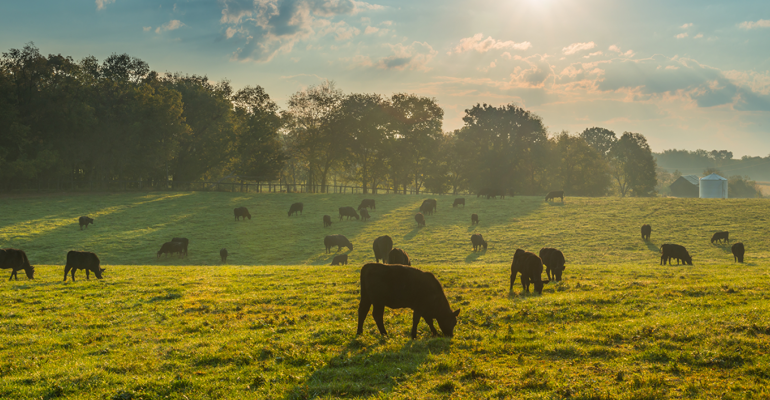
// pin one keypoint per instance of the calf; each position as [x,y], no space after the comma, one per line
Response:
[223,255]
[738,251]
[241,212]
[420,219]
[553,195]
[364,214]
[382,246]
[554,261]
[398,286]
[327,221]
[669,251]
[184,242]
[478,242]
[348,212]
[296,208]
[459,201]
[398,256]
[366,203]
[15,260]
[171,248]
[646,231]
[474,219]
[337,240]
[340,259]
[530,267]
[82,260]
[84,221]
[720,236]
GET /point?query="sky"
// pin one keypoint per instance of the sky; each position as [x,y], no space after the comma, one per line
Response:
[685,74]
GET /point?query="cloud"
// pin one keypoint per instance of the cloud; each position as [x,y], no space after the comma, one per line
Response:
[762,23]
[685,26]
[370,29]
[698,36]
[102,4]
[616,49]
[475,42]
[576,47]
[415,56]
[147,28]
[682,35]
[535,73]
[598,53]
[506,55]
[491,65]
[174,24]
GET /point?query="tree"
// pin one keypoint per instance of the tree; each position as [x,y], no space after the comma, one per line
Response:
[600,139]
[632,165]
[582,170]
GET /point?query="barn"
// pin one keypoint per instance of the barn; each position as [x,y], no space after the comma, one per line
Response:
[713,187]
[685,186]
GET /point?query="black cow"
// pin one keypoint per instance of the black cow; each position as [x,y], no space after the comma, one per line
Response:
[459,201]
[184,243]
[646,231]
[474,219]
[82,260]
[530,266]
[478,241]
[296,207]
[340,259]
[721,236]
[420,219]
[433,203]
[490,193]
[327,221]
[382,246]
[348,212]
[428,206]
[241,212]
[553,195]
[171,248]
[337,240]
[364,214]
[366,203]
[669,251]
[84,221]
[223,255]
[554,262]
[398,286]
[398,256]
[15,260]
[738,252]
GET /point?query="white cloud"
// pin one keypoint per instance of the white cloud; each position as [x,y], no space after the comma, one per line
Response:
[685,26]
[506,55]
[174,24]
[415,56]
[682,35]
[576,47]
[386,23]
[102,4]
[762,23]
[482,46]
[698,36]
[597,53]
[147,28]
[491,65]
[370,30]
[616,49]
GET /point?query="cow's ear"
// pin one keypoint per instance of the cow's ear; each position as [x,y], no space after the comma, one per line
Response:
[456,313]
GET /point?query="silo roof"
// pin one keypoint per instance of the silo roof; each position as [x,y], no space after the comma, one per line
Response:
[713,177]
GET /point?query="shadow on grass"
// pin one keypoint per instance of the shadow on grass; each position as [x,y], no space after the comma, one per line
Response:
[472,228]
[412,234]
[553,203]
[652,246]
[361,370]
[473,256]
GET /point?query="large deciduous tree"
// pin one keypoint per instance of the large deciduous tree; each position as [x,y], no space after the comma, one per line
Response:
[632,165]
[599,138]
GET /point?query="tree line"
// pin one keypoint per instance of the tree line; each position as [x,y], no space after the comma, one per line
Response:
[87,121]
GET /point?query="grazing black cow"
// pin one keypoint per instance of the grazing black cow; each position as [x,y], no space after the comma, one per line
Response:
[530,266]
[15,260]
[241,212]
[171,248]
[82,260]
[459,201]
[646,231]
[474,219]
[478,242]
[184,243]
[553,195]
[364,214]
[398,256]
[738,251]
[337,240]
[420,219]
[223,255]
[340,259]
[382,246]
[433,204]
[721,236]
[490,193]
[554,262]
[399,286]
[348,212]
[327,221]
[366,203]
[426,209]
[669,251]
[84,221]
[296,207]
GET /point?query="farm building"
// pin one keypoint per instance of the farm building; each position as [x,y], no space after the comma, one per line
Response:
[713,187]
[685,186]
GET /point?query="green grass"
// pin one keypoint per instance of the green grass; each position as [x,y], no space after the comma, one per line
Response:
[619,326]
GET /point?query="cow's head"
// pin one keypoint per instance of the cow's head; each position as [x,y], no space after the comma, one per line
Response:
[557,273]
[30,270]
[447,322]
[539,286]
[98,272]
[485,245]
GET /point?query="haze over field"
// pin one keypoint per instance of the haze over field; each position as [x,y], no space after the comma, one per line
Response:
[690,74]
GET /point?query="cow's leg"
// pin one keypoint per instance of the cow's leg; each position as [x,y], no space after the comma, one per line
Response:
[13,275]
[513,279]
[88,278]
[429,321]
[363,309]
[377,313]
[73,273]
[548,272]
[66,270]
[415,320]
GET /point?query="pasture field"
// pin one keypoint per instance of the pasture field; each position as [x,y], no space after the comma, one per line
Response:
[280,323]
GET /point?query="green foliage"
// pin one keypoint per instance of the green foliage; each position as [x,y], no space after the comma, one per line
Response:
[577,167]
[632,165]
[742,187]
[599,139]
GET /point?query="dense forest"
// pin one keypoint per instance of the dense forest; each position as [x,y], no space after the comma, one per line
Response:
[67,124]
